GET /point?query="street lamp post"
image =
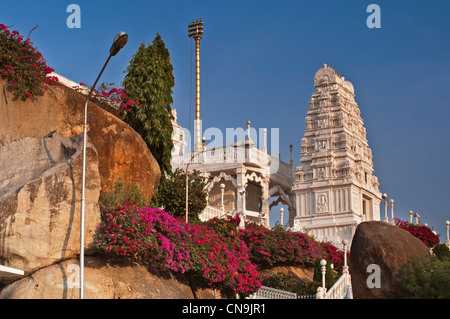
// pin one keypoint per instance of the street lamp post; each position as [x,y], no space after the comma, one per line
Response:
[120,40]
[187,178]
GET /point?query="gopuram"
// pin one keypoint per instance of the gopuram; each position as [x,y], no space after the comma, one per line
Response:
[335,188]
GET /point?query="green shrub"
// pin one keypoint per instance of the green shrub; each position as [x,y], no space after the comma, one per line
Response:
[173,195]
[123,194]
[425,279]
[308,288]
[280,280]
[441,252]
[329,275]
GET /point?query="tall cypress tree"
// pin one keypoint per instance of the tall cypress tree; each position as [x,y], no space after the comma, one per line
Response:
[150,80]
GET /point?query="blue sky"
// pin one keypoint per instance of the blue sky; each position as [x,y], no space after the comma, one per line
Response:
[258,60]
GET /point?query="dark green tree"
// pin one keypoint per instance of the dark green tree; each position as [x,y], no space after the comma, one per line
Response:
[149,80]
[426,278]
[173,196]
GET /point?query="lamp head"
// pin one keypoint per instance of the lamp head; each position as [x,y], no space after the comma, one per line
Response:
[120,40]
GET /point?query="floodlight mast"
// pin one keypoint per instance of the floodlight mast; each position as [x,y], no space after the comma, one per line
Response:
[195,31]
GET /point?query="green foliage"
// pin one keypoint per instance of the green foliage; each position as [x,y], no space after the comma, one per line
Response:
[122,194]
[149,81]
[23,66]
[425,279]
[329,275]
[308,288]
[173,196]
[280,280]
[441,252]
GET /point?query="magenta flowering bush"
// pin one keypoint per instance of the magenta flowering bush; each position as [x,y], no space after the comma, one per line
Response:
[23,66]
[268,247]
[215,252]
[146,234]
[157,238]
[223,263]
[112,99]
[424,233]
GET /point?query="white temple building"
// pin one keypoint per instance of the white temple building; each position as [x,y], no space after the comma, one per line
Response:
[332,191]
[335,188]
[241,179]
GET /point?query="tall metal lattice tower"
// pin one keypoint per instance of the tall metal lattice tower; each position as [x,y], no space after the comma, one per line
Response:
[195,31]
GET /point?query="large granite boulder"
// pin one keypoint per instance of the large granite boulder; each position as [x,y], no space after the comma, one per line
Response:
[121,151]
[40,201]
[102,280]
[40,186]
[378,252]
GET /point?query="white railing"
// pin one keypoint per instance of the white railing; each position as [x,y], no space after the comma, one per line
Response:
[223,155]
[210,212]
[234,155]
[306,297]
[341,288]
[272,293]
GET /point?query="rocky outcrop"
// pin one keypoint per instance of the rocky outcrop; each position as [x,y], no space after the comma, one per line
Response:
[102,280]
[377,254]
[121,151]
[40,201]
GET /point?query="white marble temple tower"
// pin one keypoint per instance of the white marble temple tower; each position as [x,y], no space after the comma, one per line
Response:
[335,188]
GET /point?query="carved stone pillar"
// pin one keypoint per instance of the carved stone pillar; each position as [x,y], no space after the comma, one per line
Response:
[265,198]
[292,209]
[241,185]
